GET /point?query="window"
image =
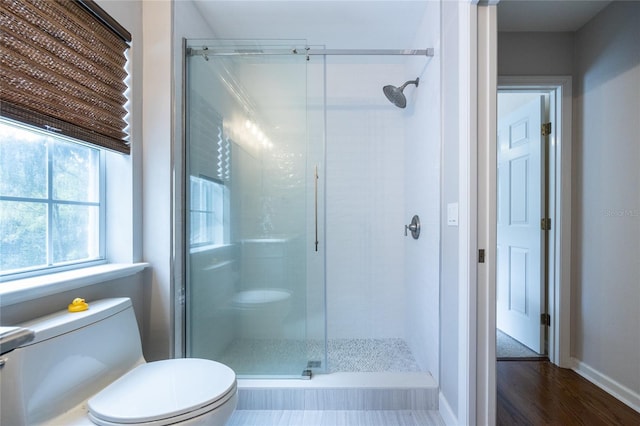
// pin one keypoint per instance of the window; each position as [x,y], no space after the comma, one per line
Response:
[51,201]
[210,175]
[63,102]
[207,211]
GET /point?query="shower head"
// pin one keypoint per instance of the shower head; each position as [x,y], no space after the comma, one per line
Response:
[395,95]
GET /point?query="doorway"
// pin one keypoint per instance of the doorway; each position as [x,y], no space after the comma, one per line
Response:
[522,223]
[533,214]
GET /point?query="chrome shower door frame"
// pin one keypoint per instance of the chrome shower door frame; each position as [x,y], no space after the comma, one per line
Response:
[266,160]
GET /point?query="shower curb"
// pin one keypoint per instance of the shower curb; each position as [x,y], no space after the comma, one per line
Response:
[342,391]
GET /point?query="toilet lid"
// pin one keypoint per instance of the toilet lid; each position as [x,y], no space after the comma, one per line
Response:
[162,389]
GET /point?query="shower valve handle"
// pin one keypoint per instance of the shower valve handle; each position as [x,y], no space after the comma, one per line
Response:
[414,227]
[411,227]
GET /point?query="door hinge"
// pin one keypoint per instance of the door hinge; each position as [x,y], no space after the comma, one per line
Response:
[481,256]
[545,224]
[546,129]
[545,319]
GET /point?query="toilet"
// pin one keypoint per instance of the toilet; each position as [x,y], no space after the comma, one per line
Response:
[261,312]
[85,368]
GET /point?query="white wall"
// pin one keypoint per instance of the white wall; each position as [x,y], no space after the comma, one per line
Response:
[606,198]
[156,171]
[451,140]
[422,121]
[124,179]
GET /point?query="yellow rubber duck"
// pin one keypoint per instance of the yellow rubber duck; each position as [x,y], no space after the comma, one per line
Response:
[78,305]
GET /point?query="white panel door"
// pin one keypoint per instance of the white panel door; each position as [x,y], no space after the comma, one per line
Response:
[520,287]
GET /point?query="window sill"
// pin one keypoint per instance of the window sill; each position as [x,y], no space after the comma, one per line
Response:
[17,291]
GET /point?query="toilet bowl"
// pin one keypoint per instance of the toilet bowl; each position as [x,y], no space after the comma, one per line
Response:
[88,366]
[261,312]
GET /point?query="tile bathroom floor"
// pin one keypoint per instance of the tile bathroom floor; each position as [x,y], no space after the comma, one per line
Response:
[335,418]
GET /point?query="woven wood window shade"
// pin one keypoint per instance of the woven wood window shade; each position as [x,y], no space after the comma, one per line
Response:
[63,69]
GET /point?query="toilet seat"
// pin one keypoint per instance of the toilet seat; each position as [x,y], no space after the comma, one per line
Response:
[164,392]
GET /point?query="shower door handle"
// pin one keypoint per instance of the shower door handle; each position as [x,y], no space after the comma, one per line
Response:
[315,180]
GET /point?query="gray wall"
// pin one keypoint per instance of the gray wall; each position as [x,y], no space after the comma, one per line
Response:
[604,59]
[535,53]
[606,196]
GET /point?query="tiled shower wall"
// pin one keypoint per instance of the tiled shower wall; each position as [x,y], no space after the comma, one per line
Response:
[365,200]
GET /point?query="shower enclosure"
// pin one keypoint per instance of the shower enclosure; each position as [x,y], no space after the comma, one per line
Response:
[254,199]
[297,260]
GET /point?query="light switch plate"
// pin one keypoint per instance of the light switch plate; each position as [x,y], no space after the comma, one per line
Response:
[452,214]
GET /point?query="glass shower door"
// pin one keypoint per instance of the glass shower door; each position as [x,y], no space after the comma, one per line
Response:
[253,273]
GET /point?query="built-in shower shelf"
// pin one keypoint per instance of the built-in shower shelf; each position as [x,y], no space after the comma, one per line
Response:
[341,391]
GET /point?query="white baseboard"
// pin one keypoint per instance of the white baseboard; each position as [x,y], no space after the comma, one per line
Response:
[619,391]
[447,414]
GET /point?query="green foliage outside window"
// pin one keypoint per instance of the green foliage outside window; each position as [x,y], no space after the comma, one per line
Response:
[49,200]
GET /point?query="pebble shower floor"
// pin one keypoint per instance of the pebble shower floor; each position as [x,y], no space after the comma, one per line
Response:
[344,355]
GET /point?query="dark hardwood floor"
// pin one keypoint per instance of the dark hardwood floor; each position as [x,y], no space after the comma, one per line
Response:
[540,393]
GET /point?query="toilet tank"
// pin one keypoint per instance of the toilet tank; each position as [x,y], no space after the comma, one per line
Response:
[72,357]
